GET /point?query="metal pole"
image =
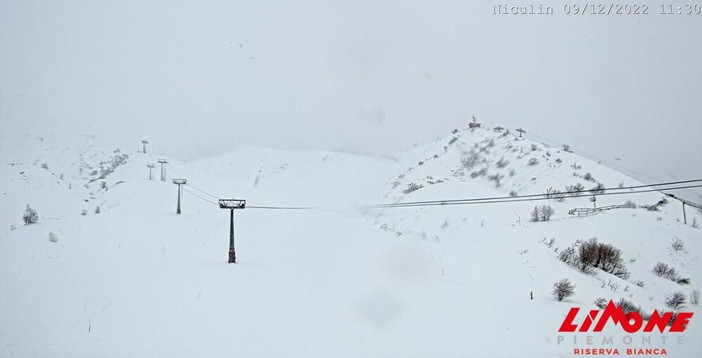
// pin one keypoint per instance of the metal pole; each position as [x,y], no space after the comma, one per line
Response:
[150,166]
[232,252]
[684,215]
[179,182]
[178,209]
[232,204]
[163,169]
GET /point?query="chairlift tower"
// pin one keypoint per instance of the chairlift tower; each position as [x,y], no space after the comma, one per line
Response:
[150,166]
[163,170]
[144,143]
[179,182]
[232,204]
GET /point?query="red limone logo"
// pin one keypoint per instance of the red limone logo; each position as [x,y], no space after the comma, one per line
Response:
[631,322]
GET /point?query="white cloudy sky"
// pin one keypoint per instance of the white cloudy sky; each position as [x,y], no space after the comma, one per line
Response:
[366,76]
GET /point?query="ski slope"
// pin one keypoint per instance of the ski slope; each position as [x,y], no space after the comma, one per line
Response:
[339,279]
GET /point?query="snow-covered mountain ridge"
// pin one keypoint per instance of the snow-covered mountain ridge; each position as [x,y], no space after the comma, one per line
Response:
[342,279]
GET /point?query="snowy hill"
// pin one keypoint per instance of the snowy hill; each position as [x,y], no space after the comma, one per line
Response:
[339,279]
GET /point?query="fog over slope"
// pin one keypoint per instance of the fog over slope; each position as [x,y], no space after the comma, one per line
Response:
[358,76]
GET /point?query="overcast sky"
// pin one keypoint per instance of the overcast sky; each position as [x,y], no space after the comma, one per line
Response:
[365,76]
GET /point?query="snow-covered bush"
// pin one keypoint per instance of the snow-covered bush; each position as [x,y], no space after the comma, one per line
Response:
[563,288]
[533,161]
[53,237]
[542,213]
[84,212]
[502,163]
[588,177]
[695,297]
[30,216]
[676,300]
[97,210]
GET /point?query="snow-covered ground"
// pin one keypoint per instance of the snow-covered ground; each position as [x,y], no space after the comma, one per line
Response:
[340,279]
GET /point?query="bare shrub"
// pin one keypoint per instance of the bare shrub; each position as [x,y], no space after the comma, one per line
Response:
[563,288]
[30,216]
[639,283]
[598,189]
[676,300]
[630,204]
[471,160]
[512,193]
[695,297]
[588,177]
[53,237]
[628,306]
[695,224]
[502,163]
[97,210]
[587,255]
[656,206]
[533,161]
[497,178]
[678,244]
[84,212]
[566,148]
[542,213]
[663,270]
[683,281]
[574,190]
[556,194]
[601,302]
[410,188]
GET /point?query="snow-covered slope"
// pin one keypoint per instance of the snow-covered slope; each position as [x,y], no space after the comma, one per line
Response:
[340,279]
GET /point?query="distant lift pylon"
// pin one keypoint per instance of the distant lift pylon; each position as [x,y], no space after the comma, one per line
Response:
[232,204]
